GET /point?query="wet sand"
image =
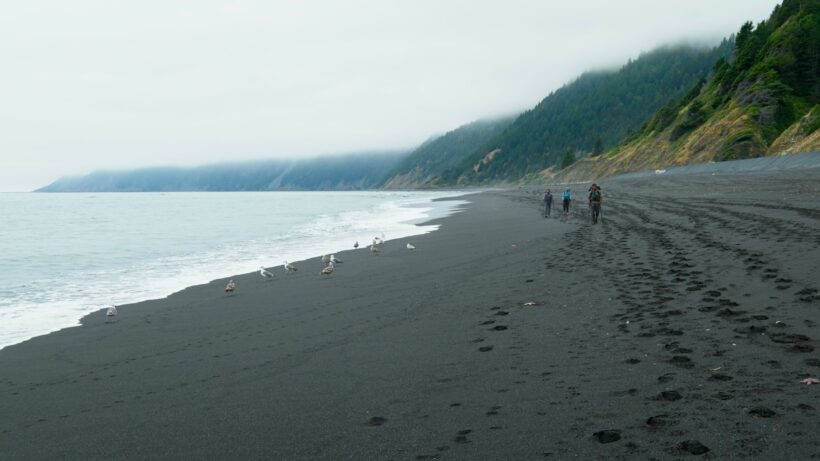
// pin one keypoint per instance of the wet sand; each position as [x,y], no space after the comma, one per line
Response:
[680,326]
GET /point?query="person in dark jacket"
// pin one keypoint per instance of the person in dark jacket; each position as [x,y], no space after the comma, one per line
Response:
[595,199]
[547,203]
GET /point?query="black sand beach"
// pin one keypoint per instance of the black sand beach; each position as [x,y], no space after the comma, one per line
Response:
[681,326]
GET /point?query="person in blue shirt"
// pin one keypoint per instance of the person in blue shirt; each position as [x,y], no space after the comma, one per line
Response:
[566,198]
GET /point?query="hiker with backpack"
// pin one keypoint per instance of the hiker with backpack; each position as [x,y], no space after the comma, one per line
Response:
[547,203]
[595,199]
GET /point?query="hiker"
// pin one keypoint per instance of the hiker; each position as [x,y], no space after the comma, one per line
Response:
[547,203]
[566,198]
[595,199]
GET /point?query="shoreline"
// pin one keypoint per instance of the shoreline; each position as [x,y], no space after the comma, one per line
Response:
[434,212]
[660,333]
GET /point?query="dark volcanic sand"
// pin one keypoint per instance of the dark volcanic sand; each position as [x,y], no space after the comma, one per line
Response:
[432,355]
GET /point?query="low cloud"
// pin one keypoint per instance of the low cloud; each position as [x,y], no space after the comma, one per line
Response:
[97,84]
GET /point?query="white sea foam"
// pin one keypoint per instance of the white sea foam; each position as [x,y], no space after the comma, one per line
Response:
[68,255]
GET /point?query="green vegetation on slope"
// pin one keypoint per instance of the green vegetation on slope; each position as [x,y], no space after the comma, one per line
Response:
[762,100]
[775,76]
[431,159]
[588,115]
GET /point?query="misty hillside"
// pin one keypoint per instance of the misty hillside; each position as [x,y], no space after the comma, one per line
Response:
[424,166]
[753,95]
[763,100]
[590,114]
[343,172]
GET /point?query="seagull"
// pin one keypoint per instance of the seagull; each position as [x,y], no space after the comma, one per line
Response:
[265,273]
[411,247]
[328,269]
[230,286]
[290,267]
[325,259]
[377,241]
[334,260]
[374,249]
[356,245]
[111,311]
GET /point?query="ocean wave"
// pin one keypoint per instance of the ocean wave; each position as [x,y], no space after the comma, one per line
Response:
[82,279]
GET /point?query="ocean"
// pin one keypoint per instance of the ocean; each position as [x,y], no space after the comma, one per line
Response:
[63,256]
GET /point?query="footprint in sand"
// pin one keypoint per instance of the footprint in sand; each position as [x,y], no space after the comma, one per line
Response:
[786,338]
[812,362]
[462,436]
[493,410]
[800,348]
[376,421]
[669,396]
[607,436]
[762,412]
[681,361]
[657,421]
[693,447]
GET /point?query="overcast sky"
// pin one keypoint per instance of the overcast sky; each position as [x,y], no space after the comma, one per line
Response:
[89,85]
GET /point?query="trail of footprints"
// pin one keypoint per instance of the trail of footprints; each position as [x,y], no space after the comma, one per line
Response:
[658,268]
[663,264]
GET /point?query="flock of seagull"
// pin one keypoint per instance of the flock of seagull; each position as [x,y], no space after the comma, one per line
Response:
[329,264]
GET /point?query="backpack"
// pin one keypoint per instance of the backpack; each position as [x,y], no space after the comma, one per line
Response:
[595,196]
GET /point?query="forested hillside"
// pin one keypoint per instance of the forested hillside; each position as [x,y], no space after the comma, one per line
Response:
[762,100]
[343,172]
[755,94]
[591,114]
[424,166]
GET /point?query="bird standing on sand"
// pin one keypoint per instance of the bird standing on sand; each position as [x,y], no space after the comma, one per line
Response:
[356,245]
[111,312]
[328,269]
[265,273]
[411,247]
[230,286]
[334,260]
[290,267]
